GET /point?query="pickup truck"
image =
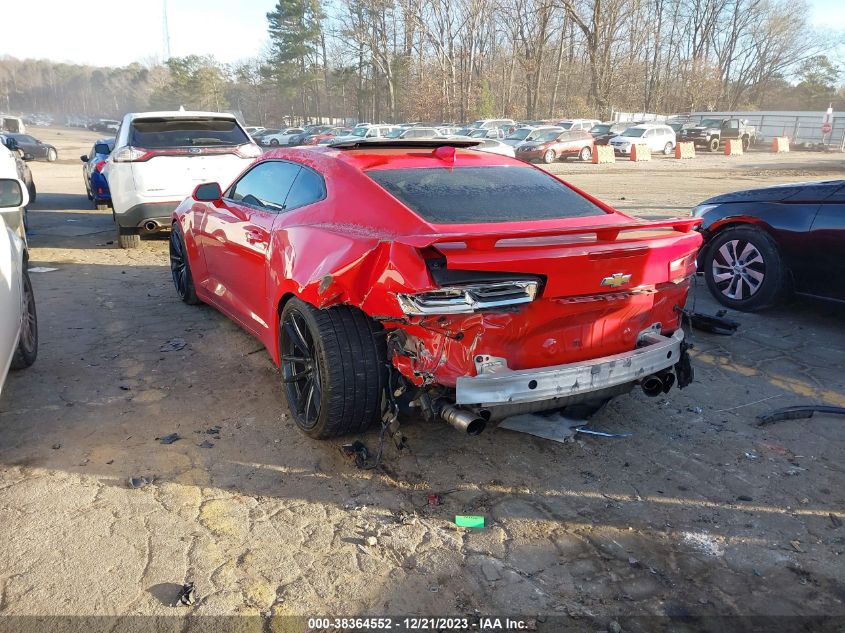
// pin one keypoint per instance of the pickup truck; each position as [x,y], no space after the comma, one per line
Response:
[711,133]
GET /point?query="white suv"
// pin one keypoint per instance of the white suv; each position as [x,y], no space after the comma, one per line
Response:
[659,138]
[574,125]
[160,157]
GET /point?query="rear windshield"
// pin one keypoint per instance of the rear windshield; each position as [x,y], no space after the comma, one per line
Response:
[634,131]
[103,148]
[184,132]
[468,195]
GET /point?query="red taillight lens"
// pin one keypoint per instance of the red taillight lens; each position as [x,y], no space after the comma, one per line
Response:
[99,166]
[681,268]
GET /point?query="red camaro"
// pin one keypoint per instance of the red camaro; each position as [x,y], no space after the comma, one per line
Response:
[394,274]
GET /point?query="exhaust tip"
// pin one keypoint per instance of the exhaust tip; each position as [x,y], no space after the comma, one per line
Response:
[151,225]
[476,427]
[652,386]
[463,420]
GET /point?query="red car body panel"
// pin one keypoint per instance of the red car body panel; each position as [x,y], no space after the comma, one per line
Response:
[247,262]
[562,148]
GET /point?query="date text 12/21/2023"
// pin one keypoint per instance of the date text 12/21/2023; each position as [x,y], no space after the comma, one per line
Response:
[377,624]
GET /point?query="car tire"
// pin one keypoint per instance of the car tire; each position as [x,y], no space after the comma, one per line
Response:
[128,240]
[744,269]
[713,145]
[549,157]
[667,149]
[52,156]
[586,154]
[33,192]
[339,354]
[27,349]
[180,267]
[101,205]
[274,142]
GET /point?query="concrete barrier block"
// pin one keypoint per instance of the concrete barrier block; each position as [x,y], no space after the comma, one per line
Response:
[640,153]
[603,154]
[733,147]
[685,150]
[780,144]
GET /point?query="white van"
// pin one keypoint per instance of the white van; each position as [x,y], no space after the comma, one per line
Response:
[659,138]
[160,157]
[13,124]
[574,125]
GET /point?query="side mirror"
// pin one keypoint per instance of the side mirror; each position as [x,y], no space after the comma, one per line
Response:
[28,157]
[84,158]
[208,192]
[13,195]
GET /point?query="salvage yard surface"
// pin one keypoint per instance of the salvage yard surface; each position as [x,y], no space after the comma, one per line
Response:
[699,513]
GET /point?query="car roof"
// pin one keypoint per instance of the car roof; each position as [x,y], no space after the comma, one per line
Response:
[106,141]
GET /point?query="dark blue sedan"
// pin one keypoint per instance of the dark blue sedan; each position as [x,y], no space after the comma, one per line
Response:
[761,245]
[96,185]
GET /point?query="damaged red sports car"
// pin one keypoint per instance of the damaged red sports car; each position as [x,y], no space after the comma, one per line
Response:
[402,275]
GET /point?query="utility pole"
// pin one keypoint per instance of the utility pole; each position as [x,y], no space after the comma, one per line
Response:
[166,32]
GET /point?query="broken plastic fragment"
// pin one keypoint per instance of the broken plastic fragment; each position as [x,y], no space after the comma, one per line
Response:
[469,521]
[187,594]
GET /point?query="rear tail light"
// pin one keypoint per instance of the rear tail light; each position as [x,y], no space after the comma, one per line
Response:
[249,150]
[680,269]
[130,154]
[469,298]
[99,166]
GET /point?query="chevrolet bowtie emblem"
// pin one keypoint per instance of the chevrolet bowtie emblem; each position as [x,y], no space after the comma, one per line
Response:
[616,280]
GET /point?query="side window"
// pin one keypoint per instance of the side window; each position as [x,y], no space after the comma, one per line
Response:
[648,134]
[309,187]
[265,186]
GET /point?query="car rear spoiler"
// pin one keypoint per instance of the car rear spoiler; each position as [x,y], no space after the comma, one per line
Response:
[603,233]
[422,143]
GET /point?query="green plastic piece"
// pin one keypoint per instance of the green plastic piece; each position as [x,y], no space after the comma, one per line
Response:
[469,521]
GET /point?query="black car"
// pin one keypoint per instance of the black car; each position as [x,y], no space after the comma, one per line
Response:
[760,245]
[31,145]
[603,132]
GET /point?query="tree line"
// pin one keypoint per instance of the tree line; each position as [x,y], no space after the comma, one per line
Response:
[456,60]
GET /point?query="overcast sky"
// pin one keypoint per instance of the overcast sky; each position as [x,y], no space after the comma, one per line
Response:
[118,32]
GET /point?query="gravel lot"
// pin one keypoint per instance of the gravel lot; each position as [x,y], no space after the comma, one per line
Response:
[699,513]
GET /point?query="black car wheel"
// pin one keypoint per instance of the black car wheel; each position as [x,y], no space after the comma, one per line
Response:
[33,192]
[713,145]
[52,156]
[549,157]
[333,366]
[586,154]
[744,269]
[274,142]
[180,267]
[667,149]
[27,349]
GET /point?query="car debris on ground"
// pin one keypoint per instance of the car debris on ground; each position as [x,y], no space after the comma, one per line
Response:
[800,412]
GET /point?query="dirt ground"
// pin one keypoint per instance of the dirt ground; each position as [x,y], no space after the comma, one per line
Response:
[699,513]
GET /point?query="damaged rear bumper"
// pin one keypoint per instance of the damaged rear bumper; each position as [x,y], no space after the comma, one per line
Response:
[507,386]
